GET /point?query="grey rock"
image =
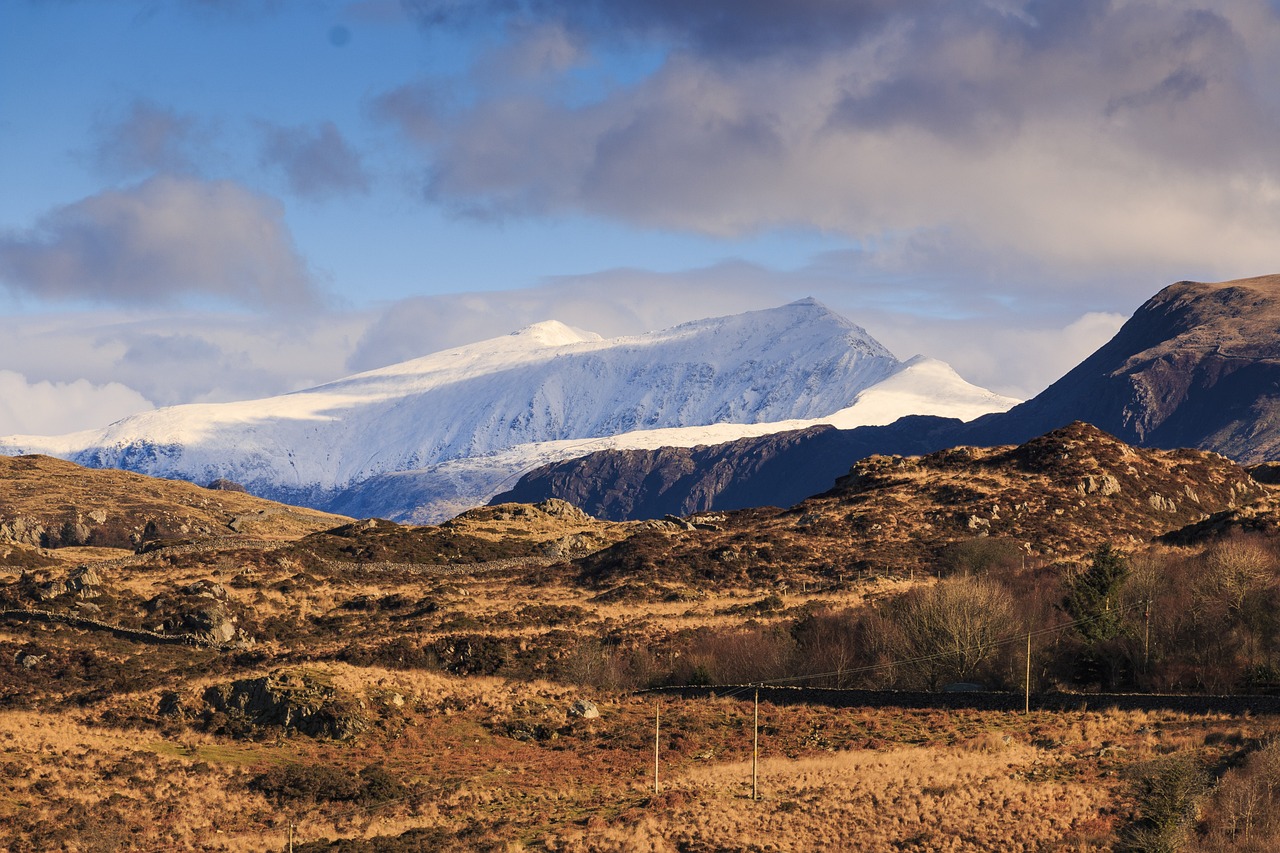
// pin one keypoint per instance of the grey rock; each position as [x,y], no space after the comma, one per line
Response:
[585,709]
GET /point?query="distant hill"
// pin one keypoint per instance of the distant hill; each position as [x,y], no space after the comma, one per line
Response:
[1198,365]
[772,470]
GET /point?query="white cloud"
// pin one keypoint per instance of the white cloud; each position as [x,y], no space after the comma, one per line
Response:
[610,303]
[86,369]
[53,408]
[173,358]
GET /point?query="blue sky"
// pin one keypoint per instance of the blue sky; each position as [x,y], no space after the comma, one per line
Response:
[205,200]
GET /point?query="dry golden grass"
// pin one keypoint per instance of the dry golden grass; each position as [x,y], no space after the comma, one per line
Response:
[496,765]
[51,491]
[946,799]
[87,761]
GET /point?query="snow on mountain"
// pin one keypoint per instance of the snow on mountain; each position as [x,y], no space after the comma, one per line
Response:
[443,430]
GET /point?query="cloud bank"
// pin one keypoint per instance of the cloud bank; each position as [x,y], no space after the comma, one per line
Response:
[53,408]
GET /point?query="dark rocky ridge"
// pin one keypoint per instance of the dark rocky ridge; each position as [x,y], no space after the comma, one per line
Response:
[773,470]
[1198,366]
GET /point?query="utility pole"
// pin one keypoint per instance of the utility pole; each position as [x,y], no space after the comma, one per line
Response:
[1027,706]
[290,837]
[755,752]
[657,723]
[1146,637]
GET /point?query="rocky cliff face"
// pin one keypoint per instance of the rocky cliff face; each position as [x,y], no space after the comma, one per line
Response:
[1196,366]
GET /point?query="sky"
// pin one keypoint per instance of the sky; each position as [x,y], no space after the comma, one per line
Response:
[210,200]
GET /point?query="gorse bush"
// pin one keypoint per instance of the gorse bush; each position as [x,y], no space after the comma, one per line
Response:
[1168,791]
[325,783]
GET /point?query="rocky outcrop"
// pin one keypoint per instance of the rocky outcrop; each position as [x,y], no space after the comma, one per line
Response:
[1055,497]
[295,700]
[199,609]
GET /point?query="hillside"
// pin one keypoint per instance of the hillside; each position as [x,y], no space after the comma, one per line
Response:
[47,501]
[1198,365]
[780,469]
[369,686]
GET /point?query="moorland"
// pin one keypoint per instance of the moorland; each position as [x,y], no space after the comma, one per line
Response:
[199,669]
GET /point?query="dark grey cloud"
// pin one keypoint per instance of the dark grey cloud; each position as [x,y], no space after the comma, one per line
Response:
[1083,133]
[317,161]
[727,28]
[148,137]
[161,241]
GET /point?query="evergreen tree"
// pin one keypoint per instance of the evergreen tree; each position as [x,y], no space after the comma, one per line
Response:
[1093,596]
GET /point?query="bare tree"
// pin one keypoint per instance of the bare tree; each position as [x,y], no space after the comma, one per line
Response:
[952,631]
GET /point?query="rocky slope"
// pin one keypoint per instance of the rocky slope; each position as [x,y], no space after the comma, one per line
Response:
[773,470]
[1197,366]
[1056,496]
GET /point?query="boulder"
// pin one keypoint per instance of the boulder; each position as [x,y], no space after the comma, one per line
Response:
[23,530]
[585,709]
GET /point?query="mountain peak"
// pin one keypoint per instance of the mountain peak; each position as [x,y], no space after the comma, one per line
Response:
[554,333]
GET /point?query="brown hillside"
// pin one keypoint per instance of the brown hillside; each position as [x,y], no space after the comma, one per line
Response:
[47,501]
[1056,496]
[1196,366]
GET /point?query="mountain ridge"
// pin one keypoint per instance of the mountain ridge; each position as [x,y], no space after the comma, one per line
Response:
[467,418]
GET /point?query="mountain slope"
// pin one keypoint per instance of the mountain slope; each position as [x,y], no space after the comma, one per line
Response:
[1198,365]
[52,502]
[469,418]
[779,469]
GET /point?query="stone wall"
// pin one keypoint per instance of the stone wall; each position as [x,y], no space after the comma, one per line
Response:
[985,700]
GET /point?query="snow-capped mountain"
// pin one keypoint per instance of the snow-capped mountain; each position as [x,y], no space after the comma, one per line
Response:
[467,420]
